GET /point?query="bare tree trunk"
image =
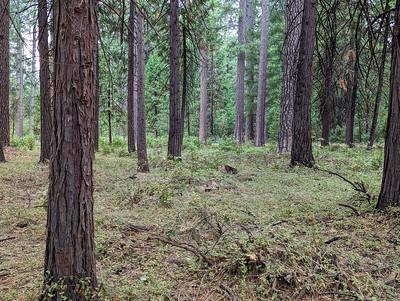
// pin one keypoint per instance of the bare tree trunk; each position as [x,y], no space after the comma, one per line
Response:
[378,99]
[390,190]
[96,124]
[2,157]
[203,96]
[212,105]
[20,109]
[302,140]
[174,141]
[185,76]
[131,79]
[4,72]
[45,84]
[293,19]
[241,61]
[70,226]
[33,91]
[262,77]
[143,164]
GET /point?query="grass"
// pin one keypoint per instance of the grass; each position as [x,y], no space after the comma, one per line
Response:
[189,231]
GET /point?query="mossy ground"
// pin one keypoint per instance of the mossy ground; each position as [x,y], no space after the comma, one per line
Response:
[271,232]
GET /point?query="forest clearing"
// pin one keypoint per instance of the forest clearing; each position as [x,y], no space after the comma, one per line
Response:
[271,232]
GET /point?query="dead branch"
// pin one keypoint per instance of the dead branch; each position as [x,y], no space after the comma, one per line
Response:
[8,238]
[350,207]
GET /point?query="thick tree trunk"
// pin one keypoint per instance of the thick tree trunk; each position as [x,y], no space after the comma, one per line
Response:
[302,140]
[4,72]
[131,78]
[390,191]
[2,157]
[378,99]
[33,91]
[293,19]
[143,164]
[241,61]
[70,228]
[174,141]
[45,85]
[20,106]
[262,77]
[203,96]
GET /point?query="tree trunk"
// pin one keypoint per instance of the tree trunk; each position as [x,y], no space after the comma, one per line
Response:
[20,108]
[174,141]
[45,85]
[33,71]
[293,19]
[131,78]
[70,227]
[302,140]
[390,190]
[378,99]
[96,125]
[203,96]
[143,164]
[241,61]
[262,77]
[2,158]
[4,72]
[185,76]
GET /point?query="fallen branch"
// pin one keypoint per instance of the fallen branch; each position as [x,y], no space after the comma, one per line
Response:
[8,238]
[332,240]
[357,186]
[350,207]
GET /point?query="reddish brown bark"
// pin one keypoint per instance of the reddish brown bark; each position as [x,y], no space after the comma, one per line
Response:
[45,85]
[70,228]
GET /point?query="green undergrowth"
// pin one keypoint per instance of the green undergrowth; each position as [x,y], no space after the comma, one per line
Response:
[191,231]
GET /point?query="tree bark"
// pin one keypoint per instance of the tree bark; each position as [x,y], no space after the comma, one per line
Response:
[4,72]
[241,61]
[45,85]
[2,157]
[203,96]
[131,78]
[262,77]
[302,140]
[174,141]
[390,189]
[20,106]
[381,76]
[185,76]
[33,92]
[293,19]
[143,164]
[70,227]
[96,124]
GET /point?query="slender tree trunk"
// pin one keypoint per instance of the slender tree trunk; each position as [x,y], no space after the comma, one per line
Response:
[109,115]
[4,72]
[241,61]
[293,19]
[262,77]
[96,123]
[378,99]
[185,77]
[45,84]
[70,243]
[203,96]
[250,66]
[131,78]
[174,141]
[20,109]
[143,164]
[33,91]
[302,140]
[212,105]
[390,190]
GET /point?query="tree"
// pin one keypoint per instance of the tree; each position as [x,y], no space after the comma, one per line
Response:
[262,77]
[96,124]
[33,71]
[69,256]
[290,56]
[143,164]
[203,96]
[131,78]
[390,189]
[20,109]
[302,140]
[2,158]
[241,61]
[45,86]
[174,139]
[4,72]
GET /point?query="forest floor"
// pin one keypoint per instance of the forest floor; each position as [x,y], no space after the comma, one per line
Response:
[190,231]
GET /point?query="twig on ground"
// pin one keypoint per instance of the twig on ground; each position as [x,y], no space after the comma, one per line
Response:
[7,238]
[350,207]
